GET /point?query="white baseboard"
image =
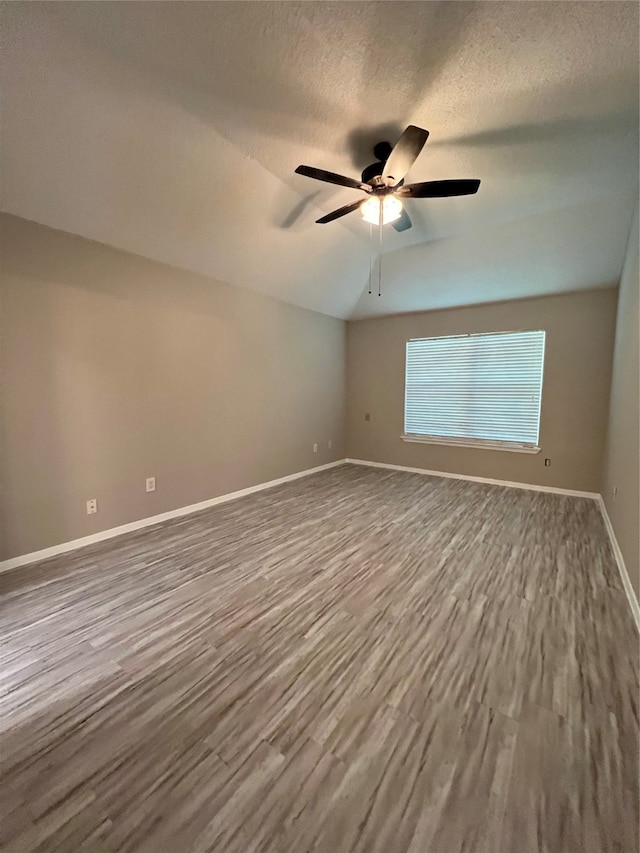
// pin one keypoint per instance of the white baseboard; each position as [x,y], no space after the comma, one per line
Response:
[624,574]
[529,486]
[36,556]
[112,532]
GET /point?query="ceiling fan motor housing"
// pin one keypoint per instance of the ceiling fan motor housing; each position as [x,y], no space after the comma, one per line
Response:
[373,173]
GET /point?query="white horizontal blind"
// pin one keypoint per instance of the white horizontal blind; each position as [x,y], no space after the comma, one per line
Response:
[475,387]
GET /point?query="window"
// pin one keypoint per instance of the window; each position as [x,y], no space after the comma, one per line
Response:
[476,390]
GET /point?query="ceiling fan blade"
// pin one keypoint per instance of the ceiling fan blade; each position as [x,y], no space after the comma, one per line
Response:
[438,189]
[341,211]
[404,155]
[403,223]
[332,178]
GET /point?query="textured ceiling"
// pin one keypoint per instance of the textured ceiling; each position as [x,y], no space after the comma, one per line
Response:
[173,130]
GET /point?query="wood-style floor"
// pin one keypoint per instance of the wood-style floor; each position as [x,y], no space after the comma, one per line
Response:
[360,660]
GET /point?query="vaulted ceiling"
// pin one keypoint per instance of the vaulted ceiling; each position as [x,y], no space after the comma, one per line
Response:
[173,130]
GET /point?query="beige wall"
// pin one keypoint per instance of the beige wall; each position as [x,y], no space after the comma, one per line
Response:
[116,368]
[579,345]
[622,458]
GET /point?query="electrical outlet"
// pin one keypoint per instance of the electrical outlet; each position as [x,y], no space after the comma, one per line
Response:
[547,463]
[92,506]
[151,484]
[367,416]
[329,444]
[315,448]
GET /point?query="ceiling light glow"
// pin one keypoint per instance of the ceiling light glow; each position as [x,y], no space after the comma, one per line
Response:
[391,209]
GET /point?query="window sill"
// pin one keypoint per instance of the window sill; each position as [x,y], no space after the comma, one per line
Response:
[510,447]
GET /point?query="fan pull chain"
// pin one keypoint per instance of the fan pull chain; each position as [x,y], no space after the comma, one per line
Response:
[380,221]
[370,255]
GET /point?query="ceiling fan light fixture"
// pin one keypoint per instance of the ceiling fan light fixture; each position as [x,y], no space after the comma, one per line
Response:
[391,209]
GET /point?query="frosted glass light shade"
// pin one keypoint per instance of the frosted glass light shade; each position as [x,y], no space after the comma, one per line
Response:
[391,209]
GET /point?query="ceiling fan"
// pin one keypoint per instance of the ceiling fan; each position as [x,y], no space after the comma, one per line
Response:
[383,182]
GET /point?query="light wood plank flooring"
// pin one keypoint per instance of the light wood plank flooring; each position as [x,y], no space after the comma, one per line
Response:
[360,660]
